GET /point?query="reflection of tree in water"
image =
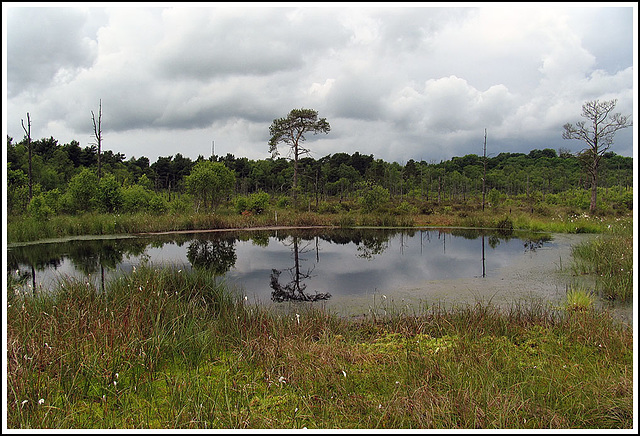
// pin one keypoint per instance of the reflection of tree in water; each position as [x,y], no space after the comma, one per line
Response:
[217,256]
[87,256]
[91,256]
[533,244]
[369,242]
[295,289]
[372,247]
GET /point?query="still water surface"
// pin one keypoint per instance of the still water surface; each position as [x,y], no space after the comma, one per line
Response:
[349,271]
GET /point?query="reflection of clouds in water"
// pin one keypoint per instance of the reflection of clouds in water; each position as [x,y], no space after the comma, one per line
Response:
[395,261]
[340,270]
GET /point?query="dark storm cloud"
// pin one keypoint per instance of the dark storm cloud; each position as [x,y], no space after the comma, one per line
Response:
[246,42]
[47,45]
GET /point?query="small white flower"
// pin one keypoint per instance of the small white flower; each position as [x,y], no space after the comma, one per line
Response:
[117,375]
[115,382]
[41,401]
[282,379]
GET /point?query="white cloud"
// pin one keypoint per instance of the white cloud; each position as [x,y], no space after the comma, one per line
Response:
[396,82]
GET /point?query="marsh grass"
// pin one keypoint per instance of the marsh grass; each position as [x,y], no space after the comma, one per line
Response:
[26,228]
[176,349]
[609,258]
[579,299]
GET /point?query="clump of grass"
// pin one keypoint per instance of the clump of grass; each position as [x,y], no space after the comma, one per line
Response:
[578,299]
[609,258]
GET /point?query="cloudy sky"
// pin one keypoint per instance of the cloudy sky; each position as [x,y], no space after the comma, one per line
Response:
[399,82]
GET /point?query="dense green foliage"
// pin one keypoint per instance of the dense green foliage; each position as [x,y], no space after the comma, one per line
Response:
[65,181]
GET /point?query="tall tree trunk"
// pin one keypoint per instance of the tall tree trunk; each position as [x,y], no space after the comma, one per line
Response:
[484,165]
[28,134]
[97,131]
[295,176]
[594,191]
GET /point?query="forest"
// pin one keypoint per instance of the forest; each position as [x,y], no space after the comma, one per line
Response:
[63,179]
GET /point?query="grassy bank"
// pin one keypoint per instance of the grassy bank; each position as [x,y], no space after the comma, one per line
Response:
[26,228]
[173,349]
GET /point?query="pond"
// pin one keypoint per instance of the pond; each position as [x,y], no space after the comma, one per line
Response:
[348,271]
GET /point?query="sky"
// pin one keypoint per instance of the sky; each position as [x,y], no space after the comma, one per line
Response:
[398,81]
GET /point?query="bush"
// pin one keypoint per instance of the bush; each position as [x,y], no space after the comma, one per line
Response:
[327,207]
[81,192]
[158,205]
[372,196]
[283,202]
[136,198]
[181,205]
[405,208]
[505,226]
[109,194]
[255,203]
[39,209]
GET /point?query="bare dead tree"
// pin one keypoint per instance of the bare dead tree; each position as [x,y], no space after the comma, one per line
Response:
[97,133]
[484,164]
[598,135]
[27,132]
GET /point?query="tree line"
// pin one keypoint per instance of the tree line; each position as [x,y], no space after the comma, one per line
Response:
[65,178]
[46,178]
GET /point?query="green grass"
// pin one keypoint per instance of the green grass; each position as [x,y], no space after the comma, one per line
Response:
[579,299]
[609,258]
[175,349]
[26,228]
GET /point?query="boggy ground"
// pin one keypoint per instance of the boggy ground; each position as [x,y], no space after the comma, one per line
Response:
[171,349]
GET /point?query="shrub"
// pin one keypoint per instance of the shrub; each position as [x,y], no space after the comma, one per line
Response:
[505,226]
[136,198]
[181,205]
[158,205]
[405,208]
[372,196]
[81,192]
[109,194]
[255,203]
[39,209]
[283,202]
